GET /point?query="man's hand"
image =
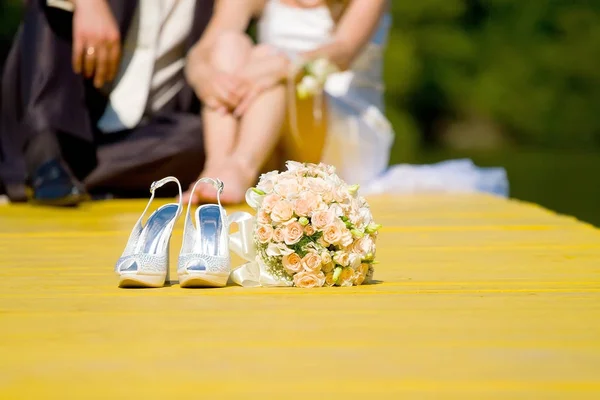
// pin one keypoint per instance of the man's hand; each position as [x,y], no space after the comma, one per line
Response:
[96,41]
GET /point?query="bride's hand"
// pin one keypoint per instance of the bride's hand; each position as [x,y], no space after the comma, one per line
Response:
[219,90]
[264,71]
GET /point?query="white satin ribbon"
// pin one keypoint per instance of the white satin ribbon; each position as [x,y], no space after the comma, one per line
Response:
[254,272]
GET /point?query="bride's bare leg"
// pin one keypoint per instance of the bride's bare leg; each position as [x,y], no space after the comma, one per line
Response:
[231,50]
[259,134]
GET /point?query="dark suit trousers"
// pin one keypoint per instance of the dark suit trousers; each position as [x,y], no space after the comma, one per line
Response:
[42,95]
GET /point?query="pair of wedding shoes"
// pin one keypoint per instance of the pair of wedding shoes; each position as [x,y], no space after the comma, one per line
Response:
[204,259]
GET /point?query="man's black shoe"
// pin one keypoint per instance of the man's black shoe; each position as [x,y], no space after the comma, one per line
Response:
[53,185]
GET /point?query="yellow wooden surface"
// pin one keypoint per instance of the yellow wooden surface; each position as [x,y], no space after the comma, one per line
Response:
[478,298]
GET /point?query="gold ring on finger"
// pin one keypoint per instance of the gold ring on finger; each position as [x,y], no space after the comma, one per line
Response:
[90,51]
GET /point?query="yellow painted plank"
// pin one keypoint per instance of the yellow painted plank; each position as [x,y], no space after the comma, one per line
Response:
[477,297]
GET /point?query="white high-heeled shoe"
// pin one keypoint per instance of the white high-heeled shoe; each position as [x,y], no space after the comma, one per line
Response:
[145,261]
[204,259]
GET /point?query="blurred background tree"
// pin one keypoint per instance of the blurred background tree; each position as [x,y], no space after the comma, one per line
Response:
[504,82]
[494,73]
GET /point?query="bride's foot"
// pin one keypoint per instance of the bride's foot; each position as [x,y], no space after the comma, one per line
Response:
[209,171]
[237,178]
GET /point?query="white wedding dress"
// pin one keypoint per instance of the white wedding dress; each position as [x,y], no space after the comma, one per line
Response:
[360,137]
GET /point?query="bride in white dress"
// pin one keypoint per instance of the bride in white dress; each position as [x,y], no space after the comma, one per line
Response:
[247,111]
[243,87]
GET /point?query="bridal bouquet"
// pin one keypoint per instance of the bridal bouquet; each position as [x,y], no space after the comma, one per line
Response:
[315,74]
[312,229]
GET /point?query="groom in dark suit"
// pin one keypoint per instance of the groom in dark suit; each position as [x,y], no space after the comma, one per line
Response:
[94,99]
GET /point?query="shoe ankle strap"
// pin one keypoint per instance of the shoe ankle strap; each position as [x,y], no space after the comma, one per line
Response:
[157,185]
[216,183]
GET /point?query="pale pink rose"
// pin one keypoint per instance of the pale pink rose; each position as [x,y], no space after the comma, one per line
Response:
[278,235]
[294,165]
[311,262]
[337,210]
[306,279]
[292,263]
[309,230]
[346,239]
[264,233]
[342,258]
[267,181]
[327,197]
[288,187]
[263,217]
[340,194]
[292,233]
[302,207]
[346,277]
[321,219]
[332,233]
[307,204]
[317,185]
[360,274]
[282,211]
[269,201]
[364,246]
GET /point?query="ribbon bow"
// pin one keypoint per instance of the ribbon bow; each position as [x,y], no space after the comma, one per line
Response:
[254,272]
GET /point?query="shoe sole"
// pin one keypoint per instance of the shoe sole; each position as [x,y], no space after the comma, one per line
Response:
[67,201]
[202,280]
[141,281]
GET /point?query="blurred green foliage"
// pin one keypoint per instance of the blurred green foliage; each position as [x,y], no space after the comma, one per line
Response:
[10,17]
[532,67]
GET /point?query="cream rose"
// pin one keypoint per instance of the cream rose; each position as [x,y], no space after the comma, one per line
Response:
[322,242]
[292,263]
[317,185]
[341,258]
[321,219]
[292,233]
[346,277]
[346,238]
[267,181]
[364,246]
[287,188]
[355,260]
[269,201]
[263,217]
[309,279]
[311,262]
[278,235]
[328,267]
[302,207]
[360,274]
[332,233]
[282,211]
[309,230]
[264,233]
[329,279]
